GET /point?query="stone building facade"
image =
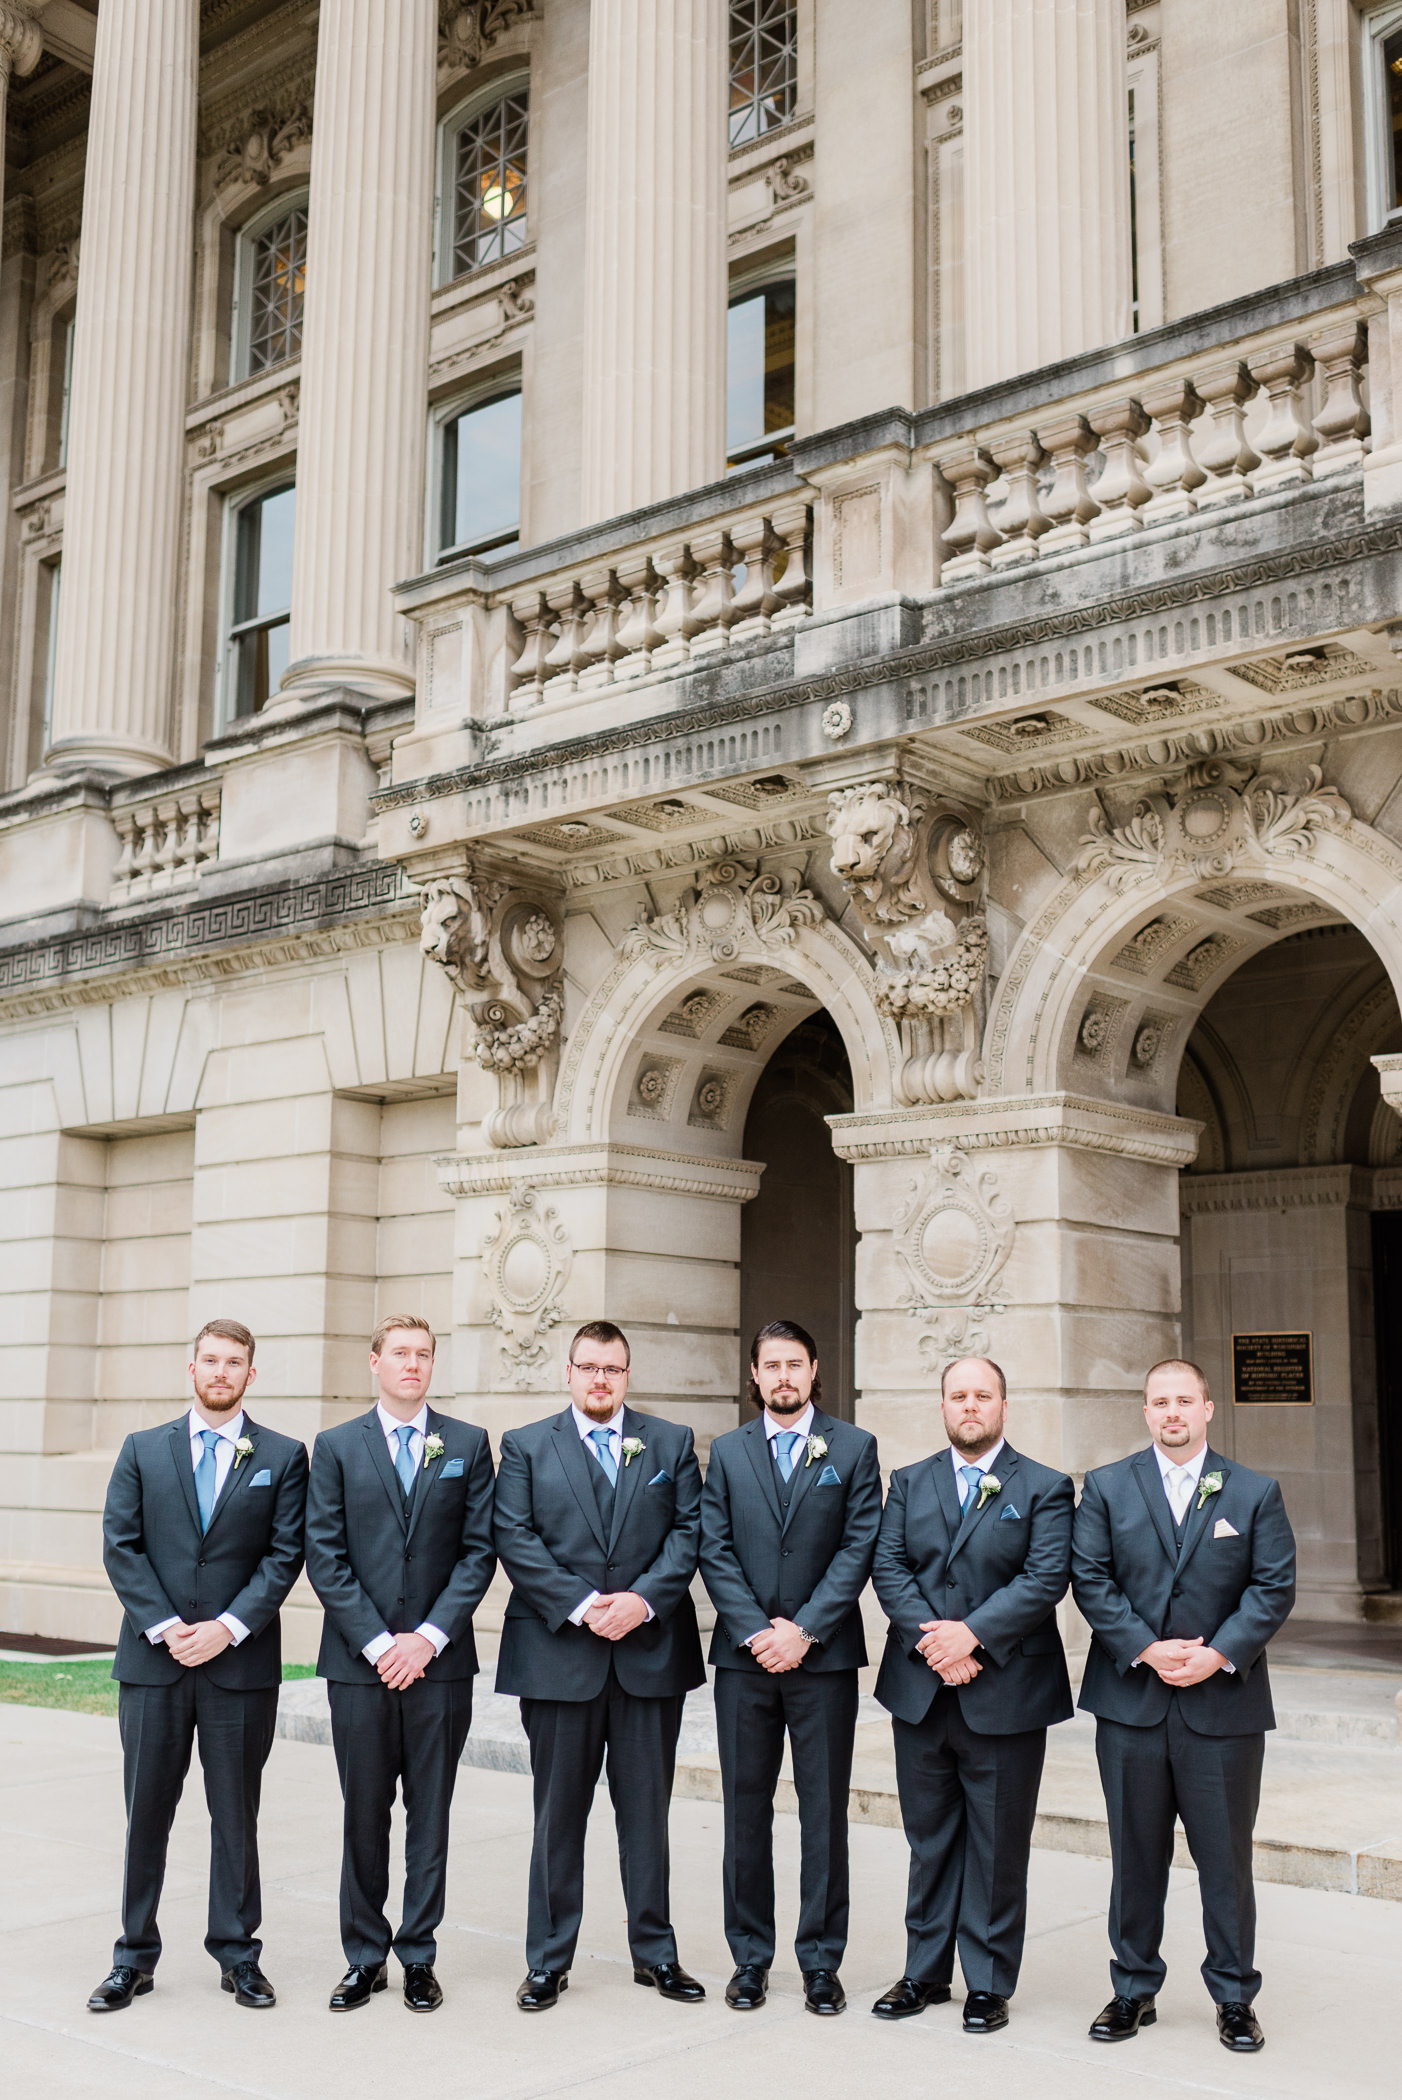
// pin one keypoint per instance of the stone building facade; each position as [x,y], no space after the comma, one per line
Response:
[691,661]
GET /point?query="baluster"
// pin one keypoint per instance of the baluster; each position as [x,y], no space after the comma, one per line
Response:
[600,647]
[563,662]
[208,834]
[1121,490]
[1068,504]
[1287,440]
[675,617]
[637,632]
[1174,474]
[1342,423]
[794,588]
[124,821]
[715,593]
[186,839]
[143,866]
[1222,448]
[167,850]
[1023,520]
[968,536]
[755,600]
[528,673]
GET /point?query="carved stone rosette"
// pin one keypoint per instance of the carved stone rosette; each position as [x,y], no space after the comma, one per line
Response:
[1219,816]
[954,1233]
[729,909]
[526,1260]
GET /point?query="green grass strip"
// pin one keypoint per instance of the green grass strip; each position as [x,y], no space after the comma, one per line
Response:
[78,1687]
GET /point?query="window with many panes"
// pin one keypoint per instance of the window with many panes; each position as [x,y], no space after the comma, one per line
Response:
[484,183]
[260,599]
[759,372]
[272,288]
[763,67]
[479,477]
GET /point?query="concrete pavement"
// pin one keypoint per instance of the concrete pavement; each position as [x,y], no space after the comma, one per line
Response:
[1331,2009]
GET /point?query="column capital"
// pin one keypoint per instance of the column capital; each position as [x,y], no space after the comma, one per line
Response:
[21,39]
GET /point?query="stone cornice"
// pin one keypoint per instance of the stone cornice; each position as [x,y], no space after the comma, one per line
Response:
[1282,1188]
[1017,1120]
[599,1166]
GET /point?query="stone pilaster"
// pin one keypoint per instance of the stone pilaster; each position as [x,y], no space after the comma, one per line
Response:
[1046,182]
[127,405]
[360,450]
[655,289]
[20,46]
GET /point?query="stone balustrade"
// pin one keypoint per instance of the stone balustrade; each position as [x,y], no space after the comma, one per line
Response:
[166,839]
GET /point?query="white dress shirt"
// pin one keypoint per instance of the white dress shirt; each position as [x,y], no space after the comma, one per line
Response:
[228,1434]
[981,1465]
[1180,1485]
[391,1425]
[586,1428]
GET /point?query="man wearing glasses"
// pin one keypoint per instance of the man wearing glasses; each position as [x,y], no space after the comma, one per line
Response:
[598,1524]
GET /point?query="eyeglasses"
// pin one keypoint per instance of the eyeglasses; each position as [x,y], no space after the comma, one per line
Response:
[609,1371]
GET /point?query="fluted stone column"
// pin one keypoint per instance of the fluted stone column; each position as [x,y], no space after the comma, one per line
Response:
[363,407]
[655,257]
[1046,182]
[20,47]
[126,429]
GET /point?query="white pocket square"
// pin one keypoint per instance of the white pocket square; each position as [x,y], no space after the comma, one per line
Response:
[1223,1530]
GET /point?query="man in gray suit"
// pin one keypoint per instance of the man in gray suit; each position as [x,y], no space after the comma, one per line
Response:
[789,1519]
[598,1514]
[1184,1565]
[973,1558]
[202,1540]
[399,1550]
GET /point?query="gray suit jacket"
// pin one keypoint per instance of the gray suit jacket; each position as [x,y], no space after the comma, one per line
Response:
[1003,1571]
[808,1563]
[163,1567]
[556,1548]
[1134,1584]
[380,1565]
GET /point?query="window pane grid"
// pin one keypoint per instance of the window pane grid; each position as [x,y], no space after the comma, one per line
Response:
[763,67]
[259,631]
[278,291]
[489,194]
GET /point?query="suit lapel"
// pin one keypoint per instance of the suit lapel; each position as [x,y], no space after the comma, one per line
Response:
[757,1451]
[576,1462]
[380,1460]
[427,1474]
[1003,1471]
[947,1491]
[1145,1468]
[1200,1511]
[237,1474]
[803,1473]
[184,1465]
[629,1476]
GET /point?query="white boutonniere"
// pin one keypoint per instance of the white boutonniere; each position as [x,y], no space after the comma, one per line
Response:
[1210,1484]
[433,1447]
[243,1449]
[817,1448]
[633,1447]
[988,1487]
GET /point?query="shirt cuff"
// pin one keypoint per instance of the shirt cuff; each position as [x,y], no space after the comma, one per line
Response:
[373,1650]
[431,1633]
[238,1632]
[156,1634]
[577,1615]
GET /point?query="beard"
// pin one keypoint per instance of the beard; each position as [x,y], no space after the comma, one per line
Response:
[220,1403]
[973,1439]
[599,1408]
[787,1404]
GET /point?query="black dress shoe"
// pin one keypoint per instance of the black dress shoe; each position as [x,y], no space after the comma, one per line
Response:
[909,1996]
[422,1990]
[116,1991]
[822,1993]
[1238,2028]
[249,1985]
[672,1981]
[984,2012]
[1121,2018]
[542,1989]
[747,1989]
[358,1986]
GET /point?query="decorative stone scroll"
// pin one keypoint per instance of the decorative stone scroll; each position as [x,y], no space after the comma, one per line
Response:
[256,155]
[730,908]
[1217,817]
[465,33]
[526,1259]
[501,950]
[954,1233]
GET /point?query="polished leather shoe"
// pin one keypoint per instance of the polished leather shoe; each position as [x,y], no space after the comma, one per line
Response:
[116,1991]
[908,1997]
[822,1993]
[249,1985]
[984,2012]
[542,1989]
[1238,2028]
[747,1989]
[422,1990]
[1122,2018]
[671,1980]
[358,1986]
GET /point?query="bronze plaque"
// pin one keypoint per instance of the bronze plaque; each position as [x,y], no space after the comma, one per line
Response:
[1273,1370]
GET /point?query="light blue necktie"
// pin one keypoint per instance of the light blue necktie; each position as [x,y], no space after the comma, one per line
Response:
[790,1439]
[404,1463]
[207,1476]
[972,1477]
[601,1440]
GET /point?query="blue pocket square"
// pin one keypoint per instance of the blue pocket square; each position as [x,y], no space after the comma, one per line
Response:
[829,1478]
[1010,1512]
[660,1480]
[262,1480]
[452,1471]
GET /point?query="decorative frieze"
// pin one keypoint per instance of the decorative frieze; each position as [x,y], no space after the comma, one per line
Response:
[731,907]
[1217,817]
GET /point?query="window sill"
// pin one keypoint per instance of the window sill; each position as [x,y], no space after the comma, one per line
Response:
[242,394]
[488,277]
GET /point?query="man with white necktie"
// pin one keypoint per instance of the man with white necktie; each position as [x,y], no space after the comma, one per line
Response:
[202,1540]
[1184,1565]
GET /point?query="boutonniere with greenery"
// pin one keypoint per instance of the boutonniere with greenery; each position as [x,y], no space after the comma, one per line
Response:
[988,1487]
[817,1448]
[633,1447]
[1210,1484]
[243,1449]
[433,1447]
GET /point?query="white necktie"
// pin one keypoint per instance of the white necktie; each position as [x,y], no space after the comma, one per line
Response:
[1180,1492]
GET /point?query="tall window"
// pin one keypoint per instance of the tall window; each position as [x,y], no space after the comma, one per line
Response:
[66,394]
[55,574]
[262,598]
[763,67]
[271,291]
[1392,76]
[759,373]
[484,183]
[480,478]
